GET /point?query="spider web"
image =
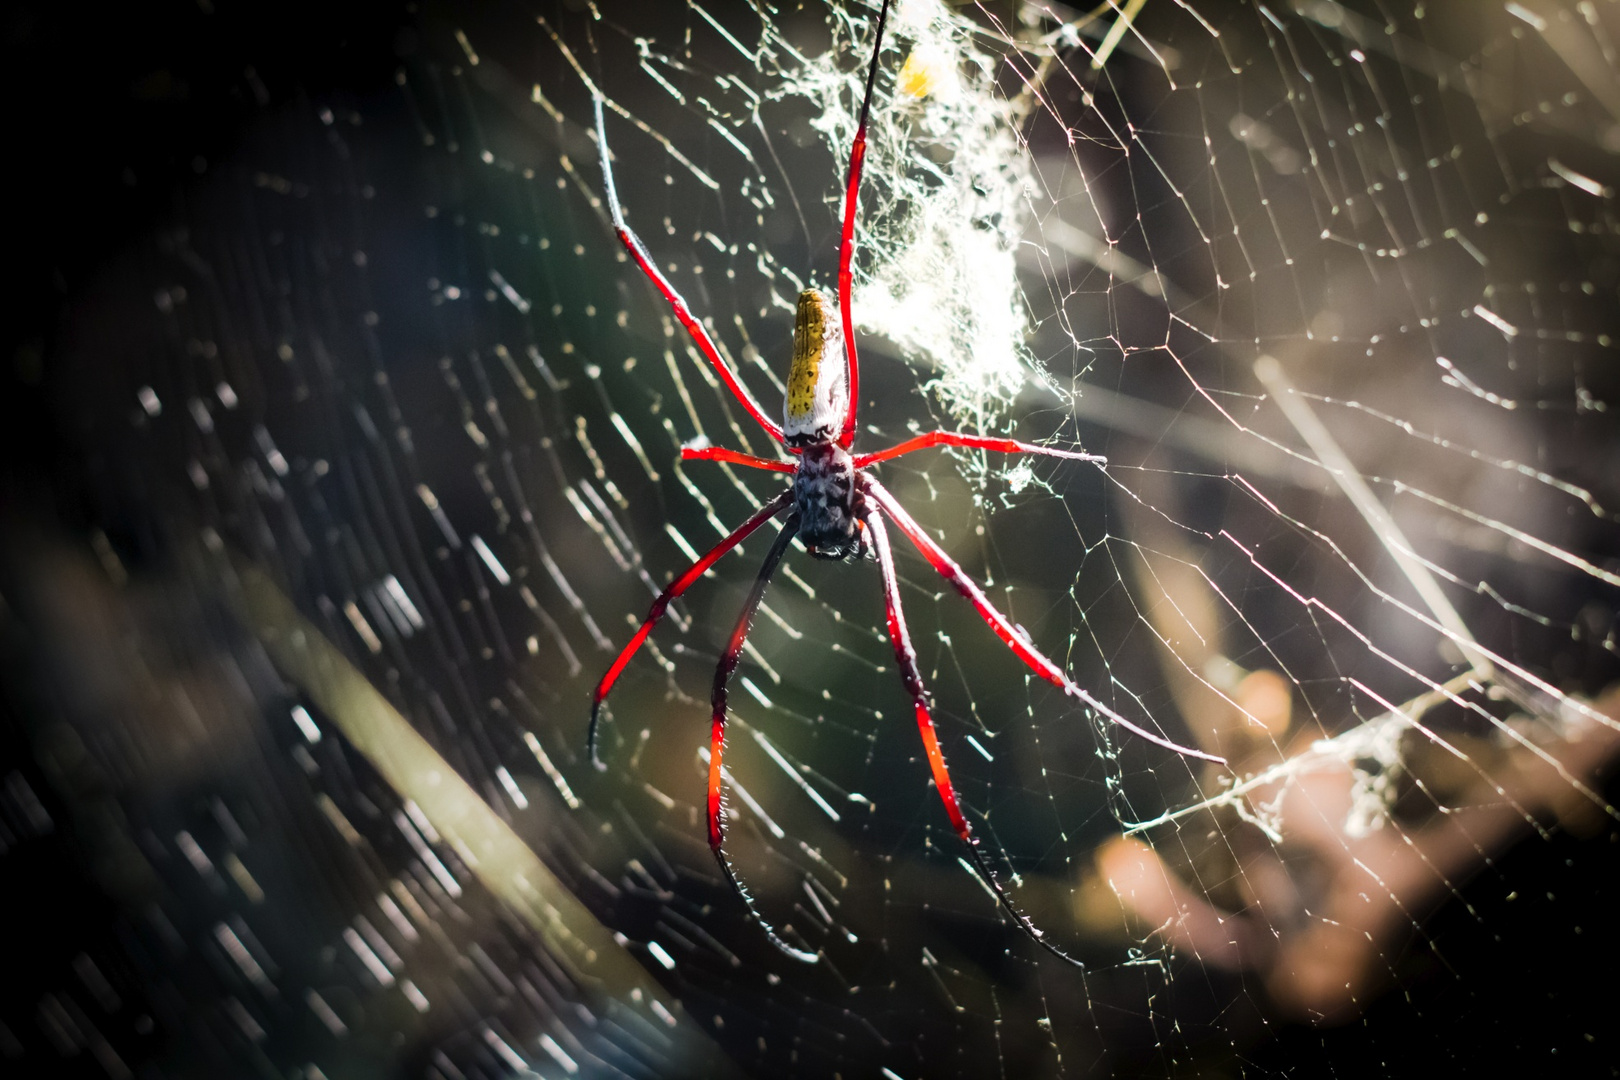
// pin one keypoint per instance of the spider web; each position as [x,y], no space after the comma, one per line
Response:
[1330,285]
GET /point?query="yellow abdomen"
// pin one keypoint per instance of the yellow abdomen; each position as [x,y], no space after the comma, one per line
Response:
[818,381]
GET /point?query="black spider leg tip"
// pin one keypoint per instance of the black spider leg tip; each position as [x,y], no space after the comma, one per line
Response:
[872,68]
[793,952]
[592,745]
[729,659]
[1019,918]
[602,152]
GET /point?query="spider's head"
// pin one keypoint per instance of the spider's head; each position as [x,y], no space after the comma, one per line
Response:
[829,503]
[818,382]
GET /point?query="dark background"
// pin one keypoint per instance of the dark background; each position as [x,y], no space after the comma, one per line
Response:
[118,118]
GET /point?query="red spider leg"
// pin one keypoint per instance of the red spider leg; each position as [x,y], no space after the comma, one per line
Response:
[846,246]
[906,657]
[975,442]
[660,605]
[1038,663]
[717,731]
[720,453]
[638,251]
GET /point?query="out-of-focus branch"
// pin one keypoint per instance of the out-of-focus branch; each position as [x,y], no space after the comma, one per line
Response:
[1318,946]
[1317,863]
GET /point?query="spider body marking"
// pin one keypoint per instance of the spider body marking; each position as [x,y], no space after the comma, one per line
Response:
[837,509]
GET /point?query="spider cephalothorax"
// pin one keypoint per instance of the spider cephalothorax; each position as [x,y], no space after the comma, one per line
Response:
[829,506]
[836,508]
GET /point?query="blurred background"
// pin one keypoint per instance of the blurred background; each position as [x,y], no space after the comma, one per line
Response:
[341,454]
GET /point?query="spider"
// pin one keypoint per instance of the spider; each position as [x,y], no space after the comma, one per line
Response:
[836,508]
